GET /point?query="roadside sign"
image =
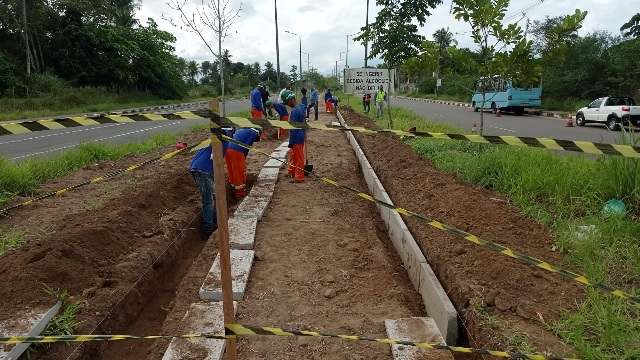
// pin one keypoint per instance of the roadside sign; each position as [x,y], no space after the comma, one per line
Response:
[363,80]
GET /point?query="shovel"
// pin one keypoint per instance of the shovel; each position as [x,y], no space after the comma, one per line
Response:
[308,169]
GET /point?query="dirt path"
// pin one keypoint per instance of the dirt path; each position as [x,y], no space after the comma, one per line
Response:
[338,272]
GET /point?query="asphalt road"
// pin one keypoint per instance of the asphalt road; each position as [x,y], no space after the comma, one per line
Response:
[20,147]
[509,124]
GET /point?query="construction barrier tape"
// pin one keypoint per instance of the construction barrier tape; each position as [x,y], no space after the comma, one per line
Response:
[465,235]
[519,141]
[235,330]
[98,179]
[241,330]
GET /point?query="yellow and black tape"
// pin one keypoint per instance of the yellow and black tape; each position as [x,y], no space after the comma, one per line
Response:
[519,141]
[235,330]
[3,211]
[465,235]
[242,330]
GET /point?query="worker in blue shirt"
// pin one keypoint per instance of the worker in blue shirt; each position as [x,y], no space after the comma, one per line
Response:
[282,113]
[327,103]
[313,102]
[297,137]
[202,171]
[256,102]
[236,159]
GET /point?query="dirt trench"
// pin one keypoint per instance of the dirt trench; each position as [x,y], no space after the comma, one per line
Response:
[481,283]
[132,254]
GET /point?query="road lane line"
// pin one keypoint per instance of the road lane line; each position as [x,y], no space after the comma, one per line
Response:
[95,140]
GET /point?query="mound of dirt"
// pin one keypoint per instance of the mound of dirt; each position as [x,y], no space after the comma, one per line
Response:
[472,275]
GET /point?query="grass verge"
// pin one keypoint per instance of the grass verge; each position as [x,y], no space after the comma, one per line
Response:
[23,178]
[10,240]
[568,194]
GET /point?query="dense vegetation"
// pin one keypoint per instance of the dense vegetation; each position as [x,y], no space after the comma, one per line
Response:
[583,68]
[58,44]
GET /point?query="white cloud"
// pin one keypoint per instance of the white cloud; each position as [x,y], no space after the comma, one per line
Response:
[323,27]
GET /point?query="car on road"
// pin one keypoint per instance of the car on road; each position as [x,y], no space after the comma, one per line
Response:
[613,111]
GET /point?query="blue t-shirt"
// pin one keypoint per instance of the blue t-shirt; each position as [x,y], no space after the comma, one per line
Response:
[314,96]
[298,116]
[281,110]
[327,96]
[245,136]
[256,99]
[202,160]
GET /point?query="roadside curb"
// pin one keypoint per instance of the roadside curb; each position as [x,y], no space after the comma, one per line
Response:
[436,301]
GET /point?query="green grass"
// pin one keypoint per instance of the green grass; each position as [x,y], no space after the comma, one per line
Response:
[23,178]
[563,192]
[68,100]
[10,240]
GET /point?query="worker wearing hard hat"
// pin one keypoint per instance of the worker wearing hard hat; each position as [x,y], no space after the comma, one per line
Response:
[236,157]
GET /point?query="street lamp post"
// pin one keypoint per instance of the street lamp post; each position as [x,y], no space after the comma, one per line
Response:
[307,59]
[346,61]
[275,3]
[366,43]
[300,39]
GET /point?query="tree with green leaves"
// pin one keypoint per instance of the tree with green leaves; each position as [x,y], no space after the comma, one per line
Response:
[632,27]
[393,36]
[505,51]
[293,73]
[443,39]
[193,69]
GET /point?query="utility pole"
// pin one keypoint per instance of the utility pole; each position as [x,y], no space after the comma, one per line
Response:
[300,53]
[346,59]
[366,43]
[275,3]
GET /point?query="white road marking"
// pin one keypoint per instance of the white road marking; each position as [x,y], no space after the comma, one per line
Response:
[95,140]
[62,133]
[503,129]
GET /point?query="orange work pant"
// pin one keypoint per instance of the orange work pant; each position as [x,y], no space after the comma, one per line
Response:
[329,106]
[296,161]
[236,167]
[282,132]
[256,114]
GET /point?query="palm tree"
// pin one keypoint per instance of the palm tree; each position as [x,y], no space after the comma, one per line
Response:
[124,12]
[193,69]
[444,38]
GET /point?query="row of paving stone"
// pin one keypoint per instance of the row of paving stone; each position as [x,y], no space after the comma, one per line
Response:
[206,316]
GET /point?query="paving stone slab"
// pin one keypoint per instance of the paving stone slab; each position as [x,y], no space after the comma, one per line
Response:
[273,163]
[279,154]
[32,323]
[264,190]
[268,175]
[242,232]
[420,329]
[241,262]
[252,206]
[202,317]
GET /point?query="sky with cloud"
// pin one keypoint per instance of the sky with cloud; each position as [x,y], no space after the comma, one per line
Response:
[323,27]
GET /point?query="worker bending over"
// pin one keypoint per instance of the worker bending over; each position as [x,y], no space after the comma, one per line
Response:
[282,113]
[236,158]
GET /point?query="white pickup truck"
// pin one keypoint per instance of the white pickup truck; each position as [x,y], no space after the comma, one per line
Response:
[613,111]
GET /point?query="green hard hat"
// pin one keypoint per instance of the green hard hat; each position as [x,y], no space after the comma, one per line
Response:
[287,95]
[261,85]
[267,104]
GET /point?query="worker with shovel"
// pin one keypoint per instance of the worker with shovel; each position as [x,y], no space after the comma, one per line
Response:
[236,159]
[297,137]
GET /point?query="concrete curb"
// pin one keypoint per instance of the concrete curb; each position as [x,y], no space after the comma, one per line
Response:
[436,302]
[419,329]
[32,325]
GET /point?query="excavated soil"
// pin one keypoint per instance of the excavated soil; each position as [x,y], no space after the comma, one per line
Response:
[129,247]
[470,274]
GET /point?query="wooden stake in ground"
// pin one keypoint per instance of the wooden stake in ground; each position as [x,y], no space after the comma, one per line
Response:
[223,233]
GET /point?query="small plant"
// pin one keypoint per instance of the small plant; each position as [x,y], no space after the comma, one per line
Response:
[10,240]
